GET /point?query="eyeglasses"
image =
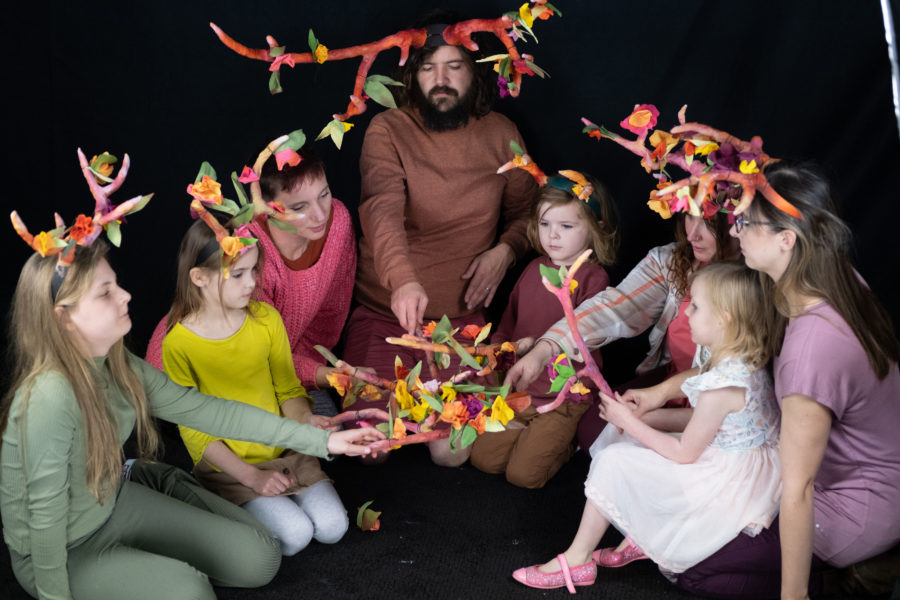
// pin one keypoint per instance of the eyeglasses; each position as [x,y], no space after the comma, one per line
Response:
[740,222]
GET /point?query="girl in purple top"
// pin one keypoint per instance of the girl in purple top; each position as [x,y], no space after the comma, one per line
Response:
[837,381]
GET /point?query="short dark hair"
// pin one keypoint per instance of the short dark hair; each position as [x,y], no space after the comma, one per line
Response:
[272,181]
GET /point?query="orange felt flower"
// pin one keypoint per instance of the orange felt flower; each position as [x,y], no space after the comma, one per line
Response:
[83,227]
[479,422]
[43,243]
[207,190]
[339,381]
[399,431]
[321,53]
[231,246]
[470,331]
[455,413]
[641,119]
[105,168]
[429,329]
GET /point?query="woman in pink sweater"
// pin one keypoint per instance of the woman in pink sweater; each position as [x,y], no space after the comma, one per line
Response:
[307,274]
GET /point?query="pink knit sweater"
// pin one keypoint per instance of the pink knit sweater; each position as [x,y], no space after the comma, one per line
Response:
[313,302]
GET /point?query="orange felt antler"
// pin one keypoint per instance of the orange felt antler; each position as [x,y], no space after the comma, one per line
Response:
[511,66]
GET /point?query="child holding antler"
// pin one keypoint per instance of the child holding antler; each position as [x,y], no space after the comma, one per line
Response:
[572,212]
[224,343]
[679,499]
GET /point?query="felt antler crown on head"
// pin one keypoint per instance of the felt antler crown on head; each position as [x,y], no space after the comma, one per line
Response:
[207,193]
[725,171]
[62,240]
[510,66]
[568,180]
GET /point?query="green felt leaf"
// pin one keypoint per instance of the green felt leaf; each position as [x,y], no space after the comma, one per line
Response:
[413,373]
[441,331]
[553,8]
[469,434]
[282,225]
[327,354]
[468,388]
[558,383]
[336,131]
[485,331]
[243,216]
[239,189]
[385,428]
[493,426]
[537,70]
[455,435]
[435,403]
[295,141]
[442,360]
[362,509]
[114,233]
[228,206]
[464,356]
[99,175]
[140,205]
[516,148]
[276,51]
[313,42]
[552,275]
[504,67]
[384,79]
[378,92]
[205,169]
[275,83]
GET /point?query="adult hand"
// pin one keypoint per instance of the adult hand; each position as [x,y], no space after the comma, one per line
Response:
[528,367]
[268,483]
[485,273]
[353,442]
[408,303]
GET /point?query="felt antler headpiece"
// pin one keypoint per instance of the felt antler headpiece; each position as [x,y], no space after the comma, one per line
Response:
[568,180]
[62,240]
[510,67]
[207,194]
[725,171]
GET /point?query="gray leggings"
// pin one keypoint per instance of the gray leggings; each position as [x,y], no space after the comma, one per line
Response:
[167,537]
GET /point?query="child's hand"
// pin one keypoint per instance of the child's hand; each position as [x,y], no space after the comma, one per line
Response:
[323,422]
[524,345]
[268,483]
[644,400]
[529,366]
[353,442]
[615,410]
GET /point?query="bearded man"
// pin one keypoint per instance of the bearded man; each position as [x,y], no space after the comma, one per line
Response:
[440,226]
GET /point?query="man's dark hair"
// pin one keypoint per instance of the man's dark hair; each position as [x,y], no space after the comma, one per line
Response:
[484,82]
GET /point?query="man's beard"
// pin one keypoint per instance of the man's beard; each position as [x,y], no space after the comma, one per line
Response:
[444,120]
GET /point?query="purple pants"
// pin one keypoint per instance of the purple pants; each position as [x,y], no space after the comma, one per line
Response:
[746,567]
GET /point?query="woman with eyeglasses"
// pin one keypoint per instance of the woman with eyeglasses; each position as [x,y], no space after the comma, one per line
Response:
[838,385]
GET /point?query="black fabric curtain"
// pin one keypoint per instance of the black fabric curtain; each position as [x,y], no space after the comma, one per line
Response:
[150,78]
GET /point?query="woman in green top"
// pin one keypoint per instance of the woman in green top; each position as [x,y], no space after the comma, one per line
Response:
[75,528]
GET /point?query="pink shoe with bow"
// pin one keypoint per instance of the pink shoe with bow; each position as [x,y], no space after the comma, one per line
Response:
[584,574]
[608,557]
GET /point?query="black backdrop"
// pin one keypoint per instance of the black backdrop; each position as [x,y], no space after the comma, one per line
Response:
[150,78]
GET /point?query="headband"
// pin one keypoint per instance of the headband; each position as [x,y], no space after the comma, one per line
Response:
[573,182]
[510,67]
[725,172]
[206,194]
[62,240]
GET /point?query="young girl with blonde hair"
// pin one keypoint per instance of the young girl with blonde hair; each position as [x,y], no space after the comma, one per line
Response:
[681,498]
[571,213]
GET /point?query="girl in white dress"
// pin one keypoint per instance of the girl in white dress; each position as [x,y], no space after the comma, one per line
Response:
[680,497]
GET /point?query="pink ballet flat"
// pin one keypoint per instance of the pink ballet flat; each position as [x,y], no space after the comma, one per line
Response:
[608,557]
[584,574]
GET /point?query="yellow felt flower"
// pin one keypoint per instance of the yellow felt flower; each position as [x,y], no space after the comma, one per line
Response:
[207,189]
[339,381]
[525,14]
[500,411]
[572,285]
[399,431]
[105,169]
[347,125]
[321,53]
[419,411]
[579,388]
[404,398]
[43,243]
[702,148]
[448,394]
[748,168]
[659,205]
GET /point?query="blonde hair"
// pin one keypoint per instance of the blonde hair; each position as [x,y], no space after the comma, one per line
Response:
[604,232]
[736,295]
[41,343]
[820,265]
[188,297]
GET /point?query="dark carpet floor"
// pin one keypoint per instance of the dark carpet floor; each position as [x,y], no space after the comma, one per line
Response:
[445,534]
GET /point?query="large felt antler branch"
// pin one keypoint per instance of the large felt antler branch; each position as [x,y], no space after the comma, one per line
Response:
[709,155]
[511,66]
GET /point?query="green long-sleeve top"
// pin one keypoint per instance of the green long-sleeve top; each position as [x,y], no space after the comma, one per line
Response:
[44,499]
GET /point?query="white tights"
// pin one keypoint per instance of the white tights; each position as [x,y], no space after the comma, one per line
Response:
[316,512]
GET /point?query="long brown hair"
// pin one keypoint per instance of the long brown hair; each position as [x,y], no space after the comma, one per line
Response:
[40,343]
[681,262]
[820,264]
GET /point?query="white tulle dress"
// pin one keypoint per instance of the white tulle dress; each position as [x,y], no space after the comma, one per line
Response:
[679,514]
